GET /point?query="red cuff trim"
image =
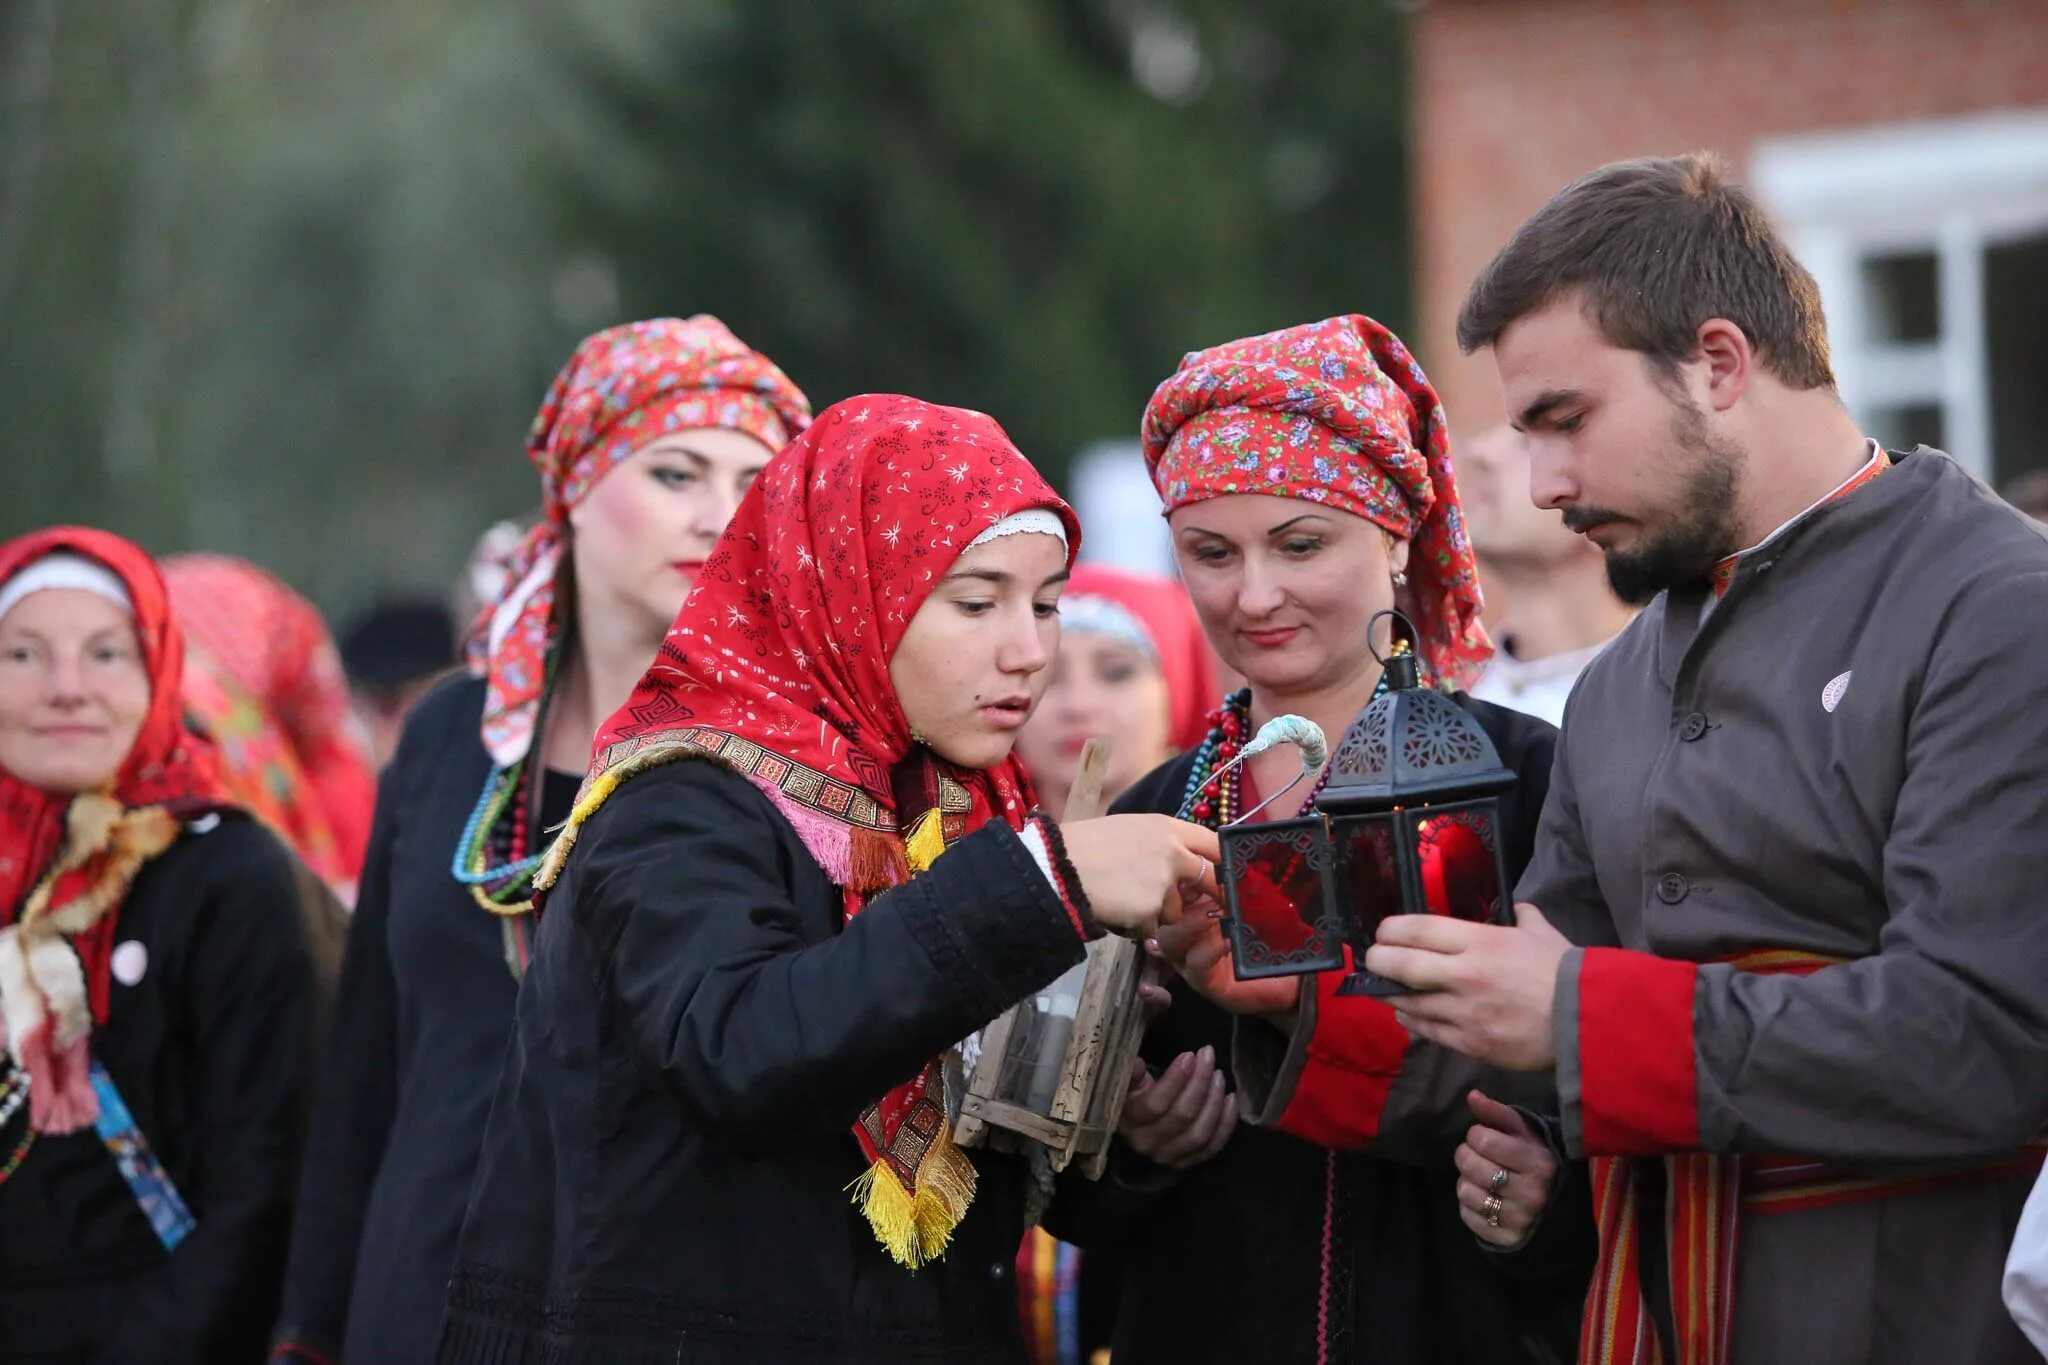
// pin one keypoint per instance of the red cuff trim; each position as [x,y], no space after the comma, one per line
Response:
[289,1351]
[1066,881]
[1638,1078]
[1352,1059]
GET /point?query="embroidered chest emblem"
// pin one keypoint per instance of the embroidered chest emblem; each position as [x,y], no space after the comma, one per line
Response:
[1831,695]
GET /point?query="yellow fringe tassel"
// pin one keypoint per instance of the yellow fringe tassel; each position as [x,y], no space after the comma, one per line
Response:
[596,790]
[926,842]
[915,1228]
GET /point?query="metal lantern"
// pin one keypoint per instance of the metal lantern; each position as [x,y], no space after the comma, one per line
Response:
[1409,823]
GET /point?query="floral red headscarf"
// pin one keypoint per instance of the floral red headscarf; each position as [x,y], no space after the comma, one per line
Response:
[778,668]
[1335,412]
[622,388]
[263,677]
[66,861]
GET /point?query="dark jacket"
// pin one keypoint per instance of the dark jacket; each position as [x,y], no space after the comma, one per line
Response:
[665,1176]
[208,1047]
[1279,1249]
[1846,756]
[419,1030]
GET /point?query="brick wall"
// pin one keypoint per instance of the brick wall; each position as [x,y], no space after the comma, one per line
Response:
[1513,98]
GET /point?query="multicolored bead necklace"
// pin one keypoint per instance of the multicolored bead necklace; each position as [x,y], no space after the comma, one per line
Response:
[1215,802]
[13,1097]
[492,858]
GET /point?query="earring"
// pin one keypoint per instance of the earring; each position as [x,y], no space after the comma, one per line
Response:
[1400,578]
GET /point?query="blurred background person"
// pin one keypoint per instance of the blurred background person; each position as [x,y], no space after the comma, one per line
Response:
[1133,670]
[393,654]
[264,680]
[153,986]
[1556,611]
[2029,493]
[645,444]
[487,576]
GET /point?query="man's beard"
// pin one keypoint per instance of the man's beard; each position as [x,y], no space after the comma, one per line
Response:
[1701,531]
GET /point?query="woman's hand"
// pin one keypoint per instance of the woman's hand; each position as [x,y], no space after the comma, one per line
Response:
[1505,1174]
[1197,948]
[1182,1116]
[1138,869]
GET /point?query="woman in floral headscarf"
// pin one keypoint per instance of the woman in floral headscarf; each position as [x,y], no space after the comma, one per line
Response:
[805,867]
[264,680]
[645,443]
[1307,482]
[155,999]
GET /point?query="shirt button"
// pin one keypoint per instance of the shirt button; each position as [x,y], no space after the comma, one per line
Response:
[1693,726]
[1672,888]
[999,1272]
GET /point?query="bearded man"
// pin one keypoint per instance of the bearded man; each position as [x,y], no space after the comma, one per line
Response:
[1798,1009]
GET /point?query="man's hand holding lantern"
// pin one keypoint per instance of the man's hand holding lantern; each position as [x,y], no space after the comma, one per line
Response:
[1481,989]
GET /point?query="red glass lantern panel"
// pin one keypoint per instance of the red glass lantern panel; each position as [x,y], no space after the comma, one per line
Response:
[1278,900]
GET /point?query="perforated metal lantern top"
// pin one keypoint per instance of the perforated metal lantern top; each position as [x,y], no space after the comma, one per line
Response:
[1412,745]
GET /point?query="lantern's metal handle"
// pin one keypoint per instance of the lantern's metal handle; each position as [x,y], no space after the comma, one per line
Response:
[1299,731]
[1399,661]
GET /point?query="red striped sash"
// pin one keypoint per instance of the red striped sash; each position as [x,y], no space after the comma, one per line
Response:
[1706,1196]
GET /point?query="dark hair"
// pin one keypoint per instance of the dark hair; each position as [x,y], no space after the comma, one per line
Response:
[1659,245]
[397,641]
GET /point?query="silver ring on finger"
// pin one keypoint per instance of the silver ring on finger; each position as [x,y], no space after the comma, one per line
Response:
[1491,1207]
[1499,1183]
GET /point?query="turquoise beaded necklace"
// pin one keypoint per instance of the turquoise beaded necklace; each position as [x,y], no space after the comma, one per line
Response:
[491,858]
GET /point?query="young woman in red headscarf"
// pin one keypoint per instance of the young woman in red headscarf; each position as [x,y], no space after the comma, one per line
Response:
[154,988]
[646,441]
[1306,478]
[805,868]
[263,680]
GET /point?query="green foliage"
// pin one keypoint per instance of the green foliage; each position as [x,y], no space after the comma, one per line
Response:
[287,279]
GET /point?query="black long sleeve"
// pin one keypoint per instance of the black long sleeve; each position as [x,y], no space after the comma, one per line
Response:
[762,1020]
[244,991]
[352,1114]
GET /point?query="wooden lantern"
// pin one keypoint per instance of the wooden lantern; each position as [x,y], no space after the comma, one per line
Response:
[1054,1069]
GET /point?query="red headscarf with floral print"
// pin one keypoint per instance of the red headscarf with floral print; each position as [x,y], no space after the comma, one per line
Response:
[1334,412]
[623,388]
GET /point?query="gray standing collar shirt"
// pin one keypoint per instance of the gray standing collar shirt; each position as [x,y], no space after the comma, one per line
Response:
[1847,757]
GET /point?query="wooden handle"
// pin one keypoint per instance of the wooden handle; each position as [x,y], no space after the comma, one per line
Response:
[1084,799]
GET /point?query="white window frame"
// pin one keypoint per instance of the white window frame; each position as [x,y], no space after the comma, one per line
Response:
[1952,187]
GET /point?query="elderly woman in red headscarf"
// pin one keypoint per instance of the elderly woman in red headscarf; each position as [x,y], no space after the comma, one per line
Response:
[154,987]
[263,680]
[806,867]
[1307,483]
[646,442]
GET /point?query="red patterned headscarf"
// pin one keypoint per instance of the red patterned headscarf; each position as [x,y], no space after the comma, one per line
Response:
[778,668]
[263,677]
[623,388]
[66,861]
[1335,412]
